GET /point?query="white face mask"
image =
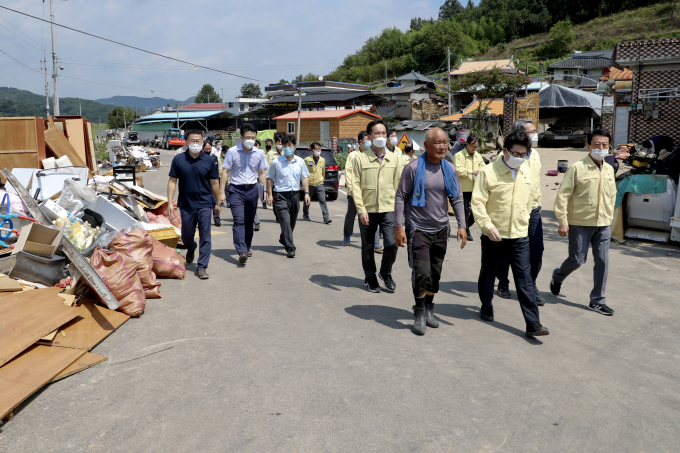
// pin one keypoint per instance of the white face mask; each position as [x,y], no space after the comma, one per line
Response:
[195,148]
[534,139]
[380,142]
[514,162]
[599,154]
[249,143]
[279,147]
[394,141]
[317,153]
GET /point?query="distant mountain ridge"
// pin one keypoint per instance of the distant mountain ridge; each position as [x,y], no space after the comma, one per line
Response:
[142,103]
[16,102]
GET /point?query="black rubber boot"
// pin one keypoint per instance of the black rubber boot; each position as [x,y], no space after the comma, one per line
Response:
[419,326]
[429,312]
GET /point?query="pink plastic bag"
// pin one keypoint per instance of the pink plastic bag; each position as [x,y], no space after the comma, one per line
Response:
[119,273]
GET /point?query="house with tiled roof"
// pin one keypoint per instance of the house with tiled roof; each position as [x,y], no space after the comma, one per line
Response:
[582,69]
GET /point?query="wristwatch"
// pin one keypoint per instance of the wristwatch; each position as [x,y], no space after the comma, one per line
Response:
[306,193]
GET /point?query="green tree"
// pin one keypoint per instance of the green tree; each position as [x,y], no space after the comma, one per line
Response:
[432,42]
[418,22]
[562,38]
[450,9]
[251,90]
[207,94]
[283,82]
[120,117]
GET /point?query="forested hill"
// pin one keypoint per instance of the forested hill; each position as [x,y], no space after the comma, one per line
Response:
[531,30]
[15,102]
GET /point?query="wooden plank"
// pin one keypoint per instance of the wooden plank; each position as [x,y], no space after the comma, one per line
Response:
[27,317]
[29,372]
[9,284]
[89,142]
[88,360]
[69,300]
[93,325]
[60,146]
[76,136]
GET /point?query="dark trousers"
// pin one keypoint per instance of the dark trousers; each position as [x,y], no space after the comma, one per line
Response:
[581,238]
[535,250]
[243,202]
[287,206]
[226,193]
[469,218]
[190,220]
[517,251]
[426,252]
[351,217]
[386,222]
[321,196]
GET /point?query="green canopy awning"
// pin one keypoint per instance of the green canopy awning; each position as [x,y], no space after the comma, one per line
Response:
[152,127]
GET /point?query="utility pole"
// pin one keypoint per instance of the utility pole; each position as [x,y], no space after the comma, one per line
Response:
[526,88]
[448,75]
[47,85]
[177,108]
[297,132]
[54,62]
[81,109]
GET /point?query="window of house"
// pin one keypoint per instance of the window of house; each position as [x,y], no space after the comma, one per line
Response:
[231,105]
[568,72]
[241,108]
[291,128]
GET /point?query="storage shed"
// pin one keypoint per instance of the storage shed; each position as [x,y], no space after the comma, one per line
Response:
[321,125]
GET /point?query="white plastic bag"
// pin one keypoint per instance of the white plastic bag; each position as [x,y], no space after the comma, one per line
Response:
[73,197]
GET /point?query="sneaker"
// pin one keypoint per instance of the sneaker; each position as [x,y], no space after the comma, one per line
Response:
[190,256]
[601,309]
[540,301]
[390,286]
[256,227]
[249,253]
[306,218]
[327,221]
[291,254]
[372,284]
[202,274]
[242,258]
[346,242]
[218,223]
[555,287]
[486,314]
[378,248]
[504,292]
[535,329]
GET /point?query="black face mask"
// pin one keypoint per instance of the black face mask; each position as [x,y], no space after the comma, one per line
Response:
[269,147]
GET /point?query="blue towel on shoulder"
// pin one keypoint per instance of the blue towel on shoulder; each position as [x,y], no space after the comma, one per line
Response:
[418,198]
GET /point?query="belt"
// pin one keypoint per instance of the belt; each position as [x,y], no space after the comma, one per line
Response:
[243,186]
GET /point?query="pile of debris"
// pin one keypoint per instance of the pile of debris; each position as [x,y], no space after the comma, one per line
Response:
[77,259]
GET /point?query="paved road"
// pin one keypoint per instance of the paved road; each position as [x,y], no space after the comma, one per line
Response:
[295,356]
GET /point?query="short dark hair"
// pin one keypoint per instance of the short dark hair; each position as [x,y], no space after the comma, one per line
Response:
[373,124]
[517,138]
[602,132]
[193,132]
[209,140]
[269,140]
[279,136]
[258,143]
[362,135]
[315,144]
[647,144]
[248,128]
[408,148]
[390,132]
[289,139]
[472,138]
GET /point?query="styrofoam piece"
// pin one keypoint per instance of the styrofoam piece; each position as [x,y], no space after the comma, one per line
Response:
[64,161]
[114,217]
[649,235]
[50,163]
[52,210]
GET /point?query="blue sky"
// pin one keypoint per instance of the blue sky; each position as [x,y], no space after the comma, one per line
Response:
[266,40]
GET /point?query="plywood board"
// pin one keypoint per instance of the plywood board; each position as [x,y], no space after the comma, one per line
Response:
[76,136]
[89,141]
[27,373]
[83,363]
[27,317]
[93,325]
[9,284]
[69,300]
[60,146]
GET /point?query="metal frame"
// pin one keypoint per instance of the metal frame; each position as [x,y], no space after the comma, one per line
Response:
[660,94]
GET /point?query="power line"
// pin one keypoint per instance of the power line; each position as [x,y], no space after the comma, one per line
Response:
[132,47]
[20,63]
[10,24]
[19,37]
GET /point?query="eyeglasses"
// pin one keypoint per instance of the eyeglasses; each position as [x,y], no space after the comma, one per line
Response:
[522,155]
[194,142]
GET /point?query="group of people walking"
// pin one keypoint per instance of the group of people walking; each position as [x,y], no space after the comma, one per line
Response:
[407,201]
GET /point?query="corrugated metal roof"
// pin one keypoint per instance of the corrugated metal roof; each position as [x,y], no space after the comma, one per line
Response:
[212,106]
[183,115]
[324,97]
[323,114]
[402,90]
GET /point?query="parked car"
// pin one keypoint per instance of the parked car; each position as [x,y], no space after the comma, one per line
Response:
[132,139]
[332,170]
[567,131]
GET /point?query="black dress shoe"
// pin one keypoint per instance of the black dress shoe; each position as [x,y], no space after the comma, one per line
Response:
[486,314]
[390,286]
[504,292]
[535,329]
[190,256]
[372,284]
[256,227]
[306,218]
[218,223]
[242,258]
[249,253]
[470,238]
[291,254]
[327,221]
[555,287]
[540,301]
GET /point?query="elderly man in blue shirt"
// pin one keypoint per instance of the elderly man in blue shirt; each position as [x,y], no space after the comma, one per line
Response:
[285,174]
[245,166]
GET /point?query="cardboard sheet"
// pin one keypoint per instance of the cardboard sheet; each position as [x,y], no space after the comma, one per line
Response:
[27,373]
[56,141]
[27,317]
[83,363]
